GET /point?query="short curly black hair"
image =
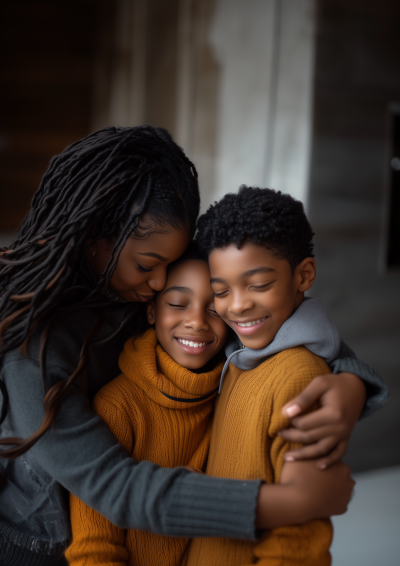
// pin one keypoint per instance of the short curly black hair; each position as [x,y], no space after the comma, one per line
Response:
[261,216]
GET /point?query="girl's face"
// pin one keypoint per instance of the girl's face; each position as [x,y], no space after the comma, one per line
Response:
[142,264]
[186,323]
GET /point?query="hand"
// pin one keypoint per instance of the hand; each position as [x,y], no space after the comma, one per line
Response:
[304,494]
[325,431]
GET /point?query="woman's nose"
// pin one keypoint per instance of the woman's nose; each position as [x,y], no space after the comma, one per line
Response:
[158,280]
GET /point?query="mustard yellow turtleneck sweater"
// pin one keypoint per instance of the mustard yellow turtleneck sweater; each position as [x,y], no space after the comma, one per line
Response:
[245,445]
[160,412]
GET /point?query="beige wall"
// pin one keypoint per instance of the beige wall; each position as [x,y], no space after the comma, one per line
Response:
[231,80]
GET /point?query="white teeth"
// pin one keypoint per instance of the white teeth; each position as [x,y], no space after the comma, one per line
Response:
[192,344]
[245,324]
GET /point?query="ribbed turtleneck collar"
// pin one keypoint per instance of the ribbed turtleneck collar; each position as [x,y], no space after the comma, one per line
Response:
[166,382]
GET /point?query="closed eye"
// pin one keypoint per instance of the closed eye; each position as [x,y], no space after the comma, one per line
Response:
[176,306]
[220,294]
[262,286]
[141,268]
[213,313]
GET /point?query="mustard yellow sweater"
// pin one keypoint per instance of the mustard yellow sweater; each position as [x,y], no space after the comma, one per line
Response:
[152,410]
[245,445]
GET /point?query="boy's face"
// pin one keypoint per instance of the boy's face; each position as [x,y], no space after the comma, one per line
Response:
[255,292]
[186,323]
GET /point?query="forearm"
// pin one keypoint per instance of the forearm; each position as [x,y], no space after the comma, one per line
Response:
[82,455]
[293,501]
[280,505]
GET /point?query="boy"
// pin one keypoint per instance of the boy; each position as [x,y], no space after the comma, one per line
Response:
[160,411]
[260,251]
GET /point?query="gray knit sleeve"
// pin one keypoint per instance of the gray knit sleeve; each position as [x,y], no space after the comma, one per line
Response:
[377,392]
[81,455]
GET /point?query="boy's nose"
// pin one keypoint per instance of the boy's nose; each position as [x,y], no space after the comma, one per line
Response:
[239,304]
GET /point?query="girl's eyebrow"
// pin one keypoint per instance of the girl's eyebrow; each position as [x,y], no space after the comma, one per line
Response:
[186,290]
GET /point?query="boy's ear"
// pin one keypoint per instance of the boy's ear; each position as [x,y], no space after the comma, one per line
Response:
[151,312]
[307,271]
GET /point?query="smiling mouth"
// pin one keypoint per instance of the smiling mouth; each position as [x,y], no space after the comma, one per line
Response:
[249,327]
[253,323]
[193,346]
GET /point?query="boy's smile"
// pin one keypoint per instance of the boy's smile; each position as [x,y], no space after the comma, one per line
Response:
[186,323]
[256,291]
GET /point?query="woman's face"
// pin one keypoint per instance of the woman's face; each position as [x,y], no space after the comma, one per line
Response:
[142,264]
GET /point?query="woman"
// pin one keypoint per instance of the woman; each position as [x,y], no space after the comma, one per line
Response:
[112,211]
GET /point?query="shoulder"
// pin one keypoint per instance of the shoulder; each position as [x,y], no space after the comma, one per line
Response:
[116,403]
[299,358]
[111,405]
[293,369]
[121,396]
[116,392]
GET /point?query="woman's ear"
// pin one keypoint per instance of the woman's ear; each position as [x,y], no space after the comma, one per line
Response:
[151,312]
[307,271]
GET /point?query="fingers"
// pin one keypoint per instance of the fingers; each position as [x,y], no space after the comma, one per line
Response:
[292,434]
[318,418]
[316,450]
[318,386]
[334,456]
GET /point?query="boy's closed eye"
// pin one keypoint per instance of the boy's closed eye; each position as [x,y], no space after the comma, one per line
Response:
[213,312]
[261,286]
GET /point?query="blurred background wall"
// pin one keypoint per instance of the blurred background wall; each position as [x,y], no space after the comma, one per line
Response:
[299,95]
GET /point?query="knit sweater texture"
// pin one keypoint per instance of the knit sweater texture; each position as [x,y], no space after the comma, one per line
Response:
[80,454]
[245,445]
[160,412]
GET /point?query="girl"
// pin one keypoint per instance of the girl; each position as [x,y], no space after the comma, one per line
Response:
[112,211]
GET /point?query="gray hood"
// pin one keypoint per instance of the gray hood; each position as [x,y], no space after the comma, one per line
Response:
[308,326]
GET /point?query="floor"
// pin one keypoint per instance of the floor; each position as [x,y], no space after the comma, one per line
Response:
[369,533]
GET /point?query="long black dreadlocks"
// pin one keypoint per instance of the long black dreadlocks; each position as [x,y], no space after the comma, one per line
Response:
[98,187]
